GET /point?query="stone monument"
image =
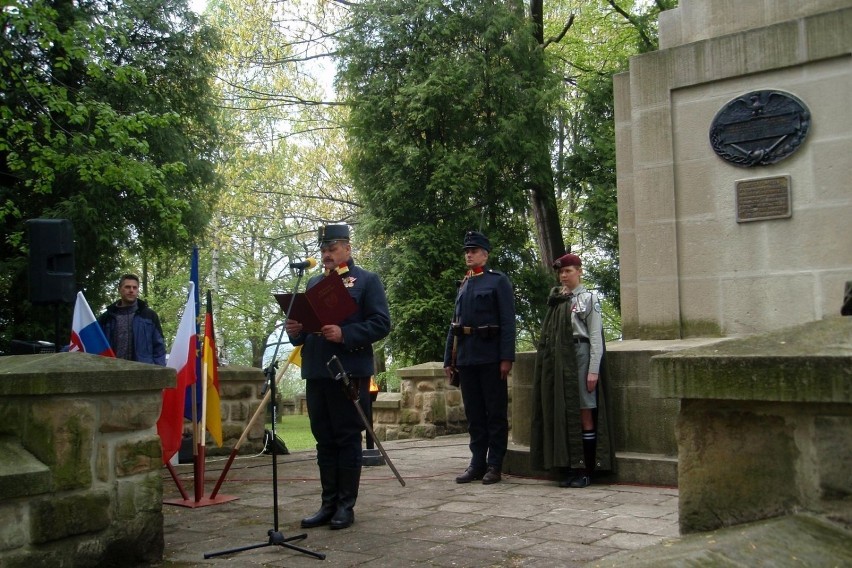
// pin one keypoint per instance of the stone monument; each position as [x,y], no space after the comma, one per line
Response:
[732,146]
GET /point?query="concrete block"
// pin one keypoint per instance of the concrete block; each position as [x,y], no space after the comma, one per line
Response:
[13,526]
[655,199]
[804,363]
[828,34]
[657,259]
[126,414]
[652,137]
[830,159]
[650,75]
[833,433]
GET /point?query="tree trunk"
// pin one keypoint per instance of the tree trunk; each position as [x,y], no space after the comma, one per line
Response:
[543,198]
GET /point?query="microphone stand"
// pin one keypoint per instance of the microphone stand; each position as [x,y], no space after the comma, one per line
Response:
[276,538]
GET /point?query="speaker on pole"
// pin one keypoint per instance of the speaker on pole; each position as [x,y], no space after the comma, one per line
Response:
[51,261]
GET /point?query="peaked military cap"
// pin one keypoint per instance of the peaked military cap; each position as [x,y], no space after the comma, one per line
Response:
[332,233]
[475,239]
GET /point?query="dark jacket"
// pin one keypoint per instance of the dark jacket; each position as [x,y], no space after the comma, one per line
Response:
[483,301]
[370,323]
[148,343]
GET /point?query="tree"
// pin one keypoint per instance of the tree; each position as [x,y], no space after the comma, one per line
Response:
[106,119]
[280,163]
[603,36]
[448,127]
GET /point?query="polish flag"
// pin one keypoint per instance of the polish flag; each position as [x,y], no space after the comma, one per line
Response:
[182,359]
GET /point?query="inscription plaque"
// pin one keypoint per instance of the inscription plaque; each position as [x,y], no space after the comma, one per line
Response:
[759,128]
[762,199]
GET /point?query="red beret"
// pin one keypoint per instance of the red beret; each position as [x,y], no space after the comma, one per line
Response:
[567,260]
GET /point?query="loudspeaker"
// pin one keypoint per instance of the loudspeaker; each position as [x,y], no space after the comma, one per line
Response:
[51,261]
[274,444]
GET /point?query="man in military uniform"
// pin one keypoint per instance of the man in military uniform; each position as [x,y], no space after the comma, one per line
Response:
[335,422]
[481,347]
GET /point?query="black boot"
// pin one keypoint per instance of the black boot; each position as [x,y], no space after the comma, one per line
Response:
[348,479]
[328,479]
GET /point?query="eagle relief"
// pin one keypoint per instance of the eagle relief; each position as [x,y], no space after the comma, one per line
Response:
[759,128]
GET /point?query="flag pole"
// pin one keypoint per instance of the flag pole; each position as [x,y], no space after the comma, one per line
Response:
[196,435]
[257,413]
[199,441]
[176,479]
[202,436]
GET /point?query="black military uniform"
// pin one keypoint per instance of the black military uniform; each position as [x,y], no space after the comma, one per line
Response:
[335,422]
[483,332]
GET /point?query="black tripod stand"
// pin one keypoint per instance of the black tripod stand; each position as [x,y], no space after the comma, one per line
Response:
[276,538]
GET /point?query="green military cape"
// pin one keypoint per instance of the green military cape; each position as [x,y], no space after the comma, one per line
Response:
[555,437]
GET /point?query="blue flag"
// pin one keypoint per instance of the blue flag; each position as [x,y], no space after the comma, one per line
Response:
[193,277]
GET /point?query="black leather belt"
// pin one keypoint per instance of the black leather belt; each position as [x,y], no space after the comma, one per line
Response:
[581,340]
[481,331]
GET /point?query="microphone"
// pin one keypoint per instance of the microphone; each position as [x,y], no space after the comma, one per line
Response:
[305,264]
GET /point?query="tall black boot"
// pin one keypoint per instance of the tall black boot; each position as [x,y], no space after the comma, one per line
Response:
[329,481]
[348,479]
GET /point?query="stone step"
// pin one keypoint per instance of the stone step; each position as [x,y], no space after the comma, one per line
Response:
[21,474]
[643,469]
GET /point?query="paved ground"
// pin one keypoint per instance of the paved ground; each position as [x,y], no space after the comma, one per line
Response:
[432,521]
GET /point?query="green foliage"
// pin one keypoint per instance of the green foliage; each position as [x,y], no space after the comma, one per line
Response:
[604,36]
[448,126]
[280,163]
[106,119]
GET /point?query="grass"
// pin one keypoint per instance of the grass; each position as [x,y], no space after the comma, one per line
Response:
[295,430]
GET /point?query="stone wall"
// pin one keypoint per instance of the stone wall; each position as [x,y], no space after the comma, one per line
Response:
[240,391]
[425,407]
[80,481]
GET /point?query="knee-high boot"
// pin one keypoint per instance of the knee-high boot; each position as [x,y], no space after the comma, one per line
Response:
[348,480]
[329,481]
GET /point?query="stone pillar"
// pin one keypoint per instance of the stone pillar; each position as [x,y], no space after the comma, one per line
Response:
[240,389]
[428,406]
[80,479]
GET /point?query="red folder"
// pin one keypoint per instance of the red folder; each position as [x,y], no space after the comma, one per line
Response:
[326,303]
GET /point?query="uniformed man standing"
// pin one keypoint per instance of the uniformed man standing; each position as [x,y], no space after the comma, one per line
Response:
[335,422]
[481,347]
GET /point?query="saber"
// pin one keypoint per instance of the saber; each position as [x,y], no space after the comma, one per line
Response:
[353,395]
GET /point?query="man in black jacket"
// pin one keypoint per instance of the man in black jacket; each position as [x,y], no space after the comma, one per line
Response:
[131,327]
[483,333]
[335,422]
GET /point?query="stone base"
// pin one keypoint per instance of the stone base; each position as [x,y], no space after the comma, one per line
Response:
[646,469]
[641,469]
